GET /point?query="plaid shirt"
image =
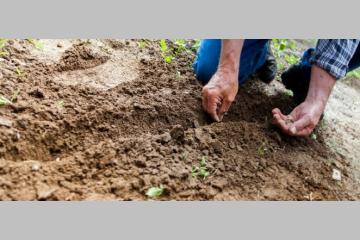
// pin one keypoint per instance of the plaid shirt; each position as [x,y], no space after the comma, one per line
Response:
[334,55]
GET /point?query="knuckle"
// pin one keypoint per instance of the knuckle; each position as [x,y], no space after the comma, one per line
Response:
[229,99]
[205,90]
[312,122]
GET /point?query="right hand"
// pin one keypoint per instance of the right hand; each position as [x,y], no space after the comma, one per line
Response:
[219,93]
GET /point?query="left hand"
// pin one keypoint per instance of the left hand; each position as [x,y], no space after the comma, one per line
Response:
[302,120]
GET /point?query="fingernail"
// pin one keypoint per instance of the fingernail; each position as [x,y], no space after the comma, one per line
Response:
[293,130]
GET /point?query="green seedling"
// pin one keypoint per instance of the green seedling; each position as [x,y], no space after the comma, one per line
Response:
[355,74]
[196,45]
[201,170]
[163,45]
[155,192]
[3,53]
[184,156]
[180,46]
[60,104]
[15,95]
[313,136]
[19,72]
[168,58]
[280,45]
[291,59]
[180,43]
[4,101]
[37,44]
[281,66]
[262,149]
[288,93]
[165,51]
[141,43]
[3,42]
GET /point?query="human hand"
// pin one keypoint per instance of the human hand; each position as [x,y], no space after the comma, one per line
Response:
[219,93]
[302,120]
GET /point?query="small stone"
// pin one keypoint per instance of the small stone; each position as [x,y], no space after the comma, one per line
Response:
[205,152]
[239,148]
[139,106]
[219,183]
[165,137]
[37,93]
[196,124]
[140,163]
[5,122]
[231,145]
[216,145]
[45,192]
[35,167]
[177,132]
[336,175]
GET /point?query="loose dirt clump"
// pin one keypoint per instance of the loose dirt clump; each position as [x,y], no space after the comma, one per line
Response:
[82,56]
[100,139]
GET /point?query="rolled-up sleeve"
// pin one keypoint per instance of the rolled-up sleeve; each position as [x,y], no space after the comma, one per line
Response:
[334,55]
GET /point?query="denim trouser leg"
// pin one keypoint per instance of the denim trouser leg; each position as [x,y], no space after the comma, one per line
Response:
[305,61]
[253,56]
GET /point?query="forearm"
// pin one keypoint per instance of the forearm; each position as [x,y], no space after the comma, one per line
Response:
[230,55]
[321,85]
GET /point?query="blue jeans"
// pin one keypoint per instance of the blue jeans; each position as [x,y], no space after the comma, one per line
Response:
[253,56]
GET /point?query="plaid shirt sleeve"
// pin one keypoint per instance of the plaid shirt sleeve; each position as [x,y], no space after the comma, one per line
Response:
[334,55]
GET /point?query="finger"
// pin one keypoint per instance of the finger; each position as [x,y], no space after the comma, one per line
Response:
[280,122]
[300,125]
[277,111]
[224,108]
[204,94]
[305,132]
[212,105]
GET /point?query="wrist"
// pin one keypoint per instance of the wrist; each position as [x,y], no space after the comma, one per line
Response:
[229,71]
[321,85]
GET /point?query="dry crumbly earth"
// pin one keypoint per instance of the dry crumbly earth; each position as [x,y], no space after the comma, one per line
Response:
[108,119]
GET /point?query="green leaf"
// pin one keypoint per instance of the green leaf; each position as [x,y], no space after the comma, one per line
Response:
[15,95]
[288,93]
[196,44]
[291,59]
[4,101]
[141,43]
[155,192]
[3,42]
[355,74]
[282,46]
[168,58]
[60,104]
[203,162]
[19,72]
[37,44]
[163,46]
[3,53]
[201,170]
[313,136]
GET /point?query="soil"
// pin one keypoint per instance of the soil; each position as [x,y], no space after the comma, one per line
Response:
[108,119]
